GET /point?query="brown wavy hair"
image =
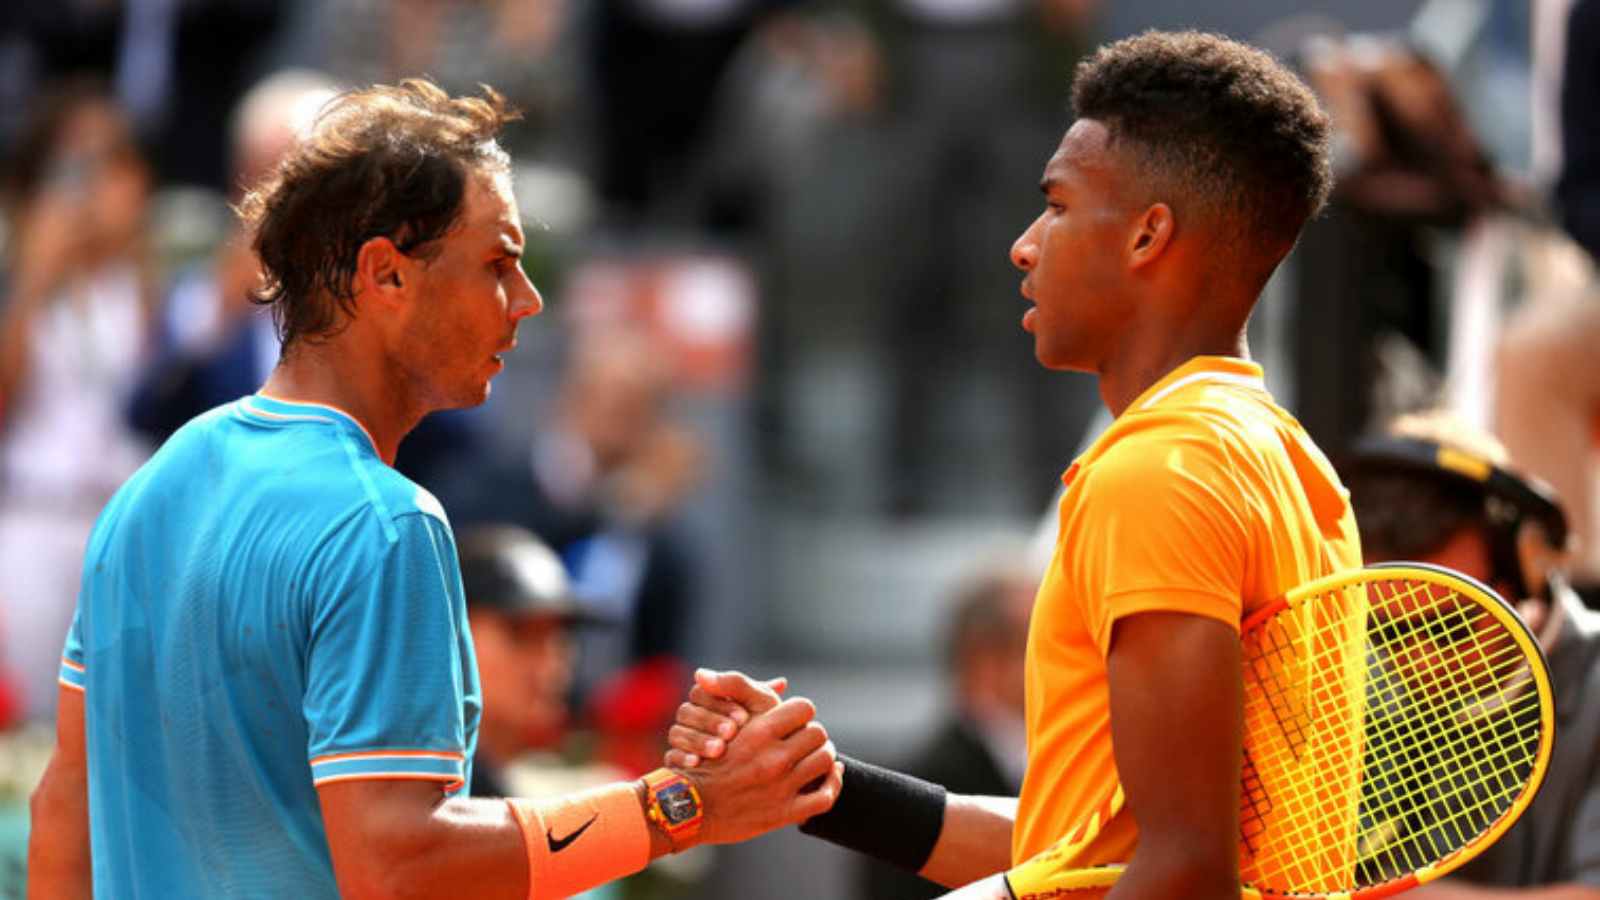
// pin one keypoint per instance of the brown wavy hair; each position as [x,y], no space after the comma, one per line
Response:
[1217,123]
[387,161]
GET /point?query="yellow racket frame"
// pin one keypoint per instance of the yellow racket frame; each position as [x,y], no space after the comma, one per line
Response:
[1043,877]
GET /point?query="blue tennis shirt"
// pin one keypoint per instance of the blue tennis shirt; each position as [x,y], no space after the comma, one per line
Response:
[266,607]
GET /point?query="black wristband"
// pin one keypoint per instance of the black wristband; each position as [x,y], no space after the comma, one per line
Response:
[884,814]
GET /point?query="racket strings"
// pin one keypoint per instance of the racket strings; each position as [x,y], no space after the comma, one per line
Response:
[1435,745]
[1449,737]
[1434,734]
[1303,728]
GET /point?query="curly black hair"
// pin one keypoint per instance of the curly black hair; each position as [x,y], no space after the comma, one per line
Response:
[1217,123]
[388,161]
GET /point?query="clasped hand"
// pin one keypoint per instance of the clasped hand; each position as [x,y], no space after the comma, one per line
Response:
[773,766]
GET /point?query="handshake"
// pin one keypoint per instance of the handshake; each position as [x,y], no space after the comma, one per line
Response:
[736,737]
[758,761]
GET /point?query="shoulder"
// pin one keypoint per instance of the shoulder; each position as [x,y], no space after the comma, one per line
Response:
[1230,427]
[1171,475]
[1158,449]
[179,463]
[383,516]
[394,497]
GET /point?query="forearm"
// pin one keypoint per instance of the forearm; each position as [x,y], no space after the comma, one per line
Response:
[473,848]
[974,841]
[1174,674]
[478,849]
[1174,875]
[58,845]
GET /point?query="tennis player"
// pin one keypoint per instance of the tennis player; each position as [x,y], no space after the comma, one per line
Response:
[1186,178]
[269,686]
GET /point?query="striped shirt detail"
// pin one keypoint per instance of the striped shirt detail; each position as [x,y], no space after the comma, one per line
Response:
[1248,381]
[72,675]
[427,765]
[251,408]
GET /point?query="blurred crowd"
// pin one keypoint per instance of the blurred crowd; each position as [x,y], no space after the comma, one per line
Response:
[773,236]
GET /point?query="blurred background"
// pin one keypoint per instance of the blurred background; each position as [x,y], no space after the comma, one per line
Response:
[779,413]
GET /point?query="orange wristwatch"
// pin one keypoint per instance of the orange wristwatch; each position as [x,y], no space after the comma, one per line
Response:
[674,805]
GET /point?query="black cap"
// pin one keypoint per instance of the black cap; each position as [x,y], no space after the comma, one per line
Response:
[506,568]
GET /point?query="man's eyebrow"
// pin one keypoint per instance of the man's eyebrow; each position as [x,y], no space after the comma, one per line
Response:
[1048,182]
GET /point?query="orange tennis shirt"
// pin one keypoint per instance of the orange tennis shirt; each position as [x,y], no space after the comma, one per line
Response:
[1203,497]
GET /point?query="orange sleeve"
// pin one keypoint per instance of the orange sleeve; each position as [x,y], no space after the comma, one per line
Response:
[1165,529]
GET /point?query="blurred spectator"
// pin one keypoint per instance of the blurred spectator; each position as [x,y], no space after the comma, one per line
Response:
[175,67]
[793,83]
[981,747]
[603,483]
[1547,407]
[524,48]
[977,87]
[1548,387]
[525,623]
[214,344]
[1433,490]
[651,127]
[73,331]
[1578,188]
[1407,162]
[522,613]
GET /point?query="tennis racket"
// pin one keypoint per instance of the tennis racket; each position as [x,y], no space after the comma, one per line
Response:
[1397,720]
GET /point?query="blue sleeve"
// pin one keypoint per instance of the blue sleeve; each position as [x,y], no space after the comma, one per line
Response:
[72,658]
[389,668]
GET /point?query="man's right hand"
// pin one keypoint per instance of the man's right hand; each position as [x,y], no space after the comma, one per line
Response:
[719,705]
[759,783]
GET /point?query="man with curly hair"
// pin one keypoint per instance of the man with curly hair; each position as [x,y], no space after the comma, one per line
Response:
[269,688]
[1192,165]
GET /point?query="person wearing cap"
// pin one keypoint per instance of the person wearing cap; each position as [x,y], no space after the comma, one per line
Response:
[1430,489]
[521,612]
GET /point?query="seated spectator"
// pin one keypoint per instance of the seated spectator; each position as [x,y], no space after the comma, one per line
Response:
[1431,490]
[522,613]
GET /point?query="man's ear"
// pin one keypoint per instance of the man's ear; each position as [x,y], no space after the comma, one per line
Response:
[379,265]
[1152,233]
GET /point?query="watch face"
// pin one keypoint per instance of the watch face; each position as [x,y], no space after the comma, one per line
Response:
[677,804]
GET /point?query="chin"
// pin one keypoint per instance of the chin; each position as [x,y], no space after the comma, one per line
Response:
[476,395]
[1061,362]
[1051,357]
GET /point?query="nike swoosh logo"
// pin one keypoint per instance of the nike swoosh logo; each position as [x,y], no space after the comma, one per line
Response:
[559,844]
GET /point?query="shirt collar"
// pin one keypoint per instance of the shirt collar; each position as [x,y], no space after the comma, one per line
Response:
[1216,369]
[1223,369]
[265,408]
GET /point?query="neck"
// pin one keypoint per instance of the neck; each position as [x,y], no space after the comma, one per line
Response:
[332,374]
[1149,356]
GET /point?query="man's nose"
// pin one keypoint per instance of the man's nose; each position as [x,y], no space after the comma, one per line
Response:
[1025,251]
[525,300]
